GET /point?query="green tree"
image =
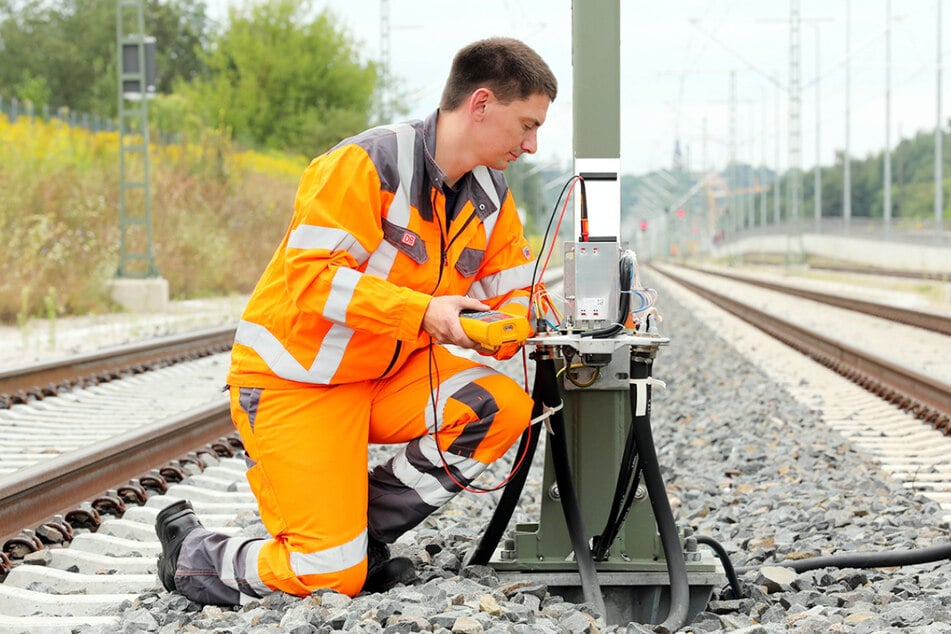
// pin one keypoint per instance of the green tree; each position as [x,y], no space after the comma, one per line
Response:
[280,80]
[71,44]
[33,89]
[181,30]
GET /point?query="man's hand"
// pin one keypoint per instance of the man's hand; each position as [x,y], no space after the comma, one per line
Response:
[441,319]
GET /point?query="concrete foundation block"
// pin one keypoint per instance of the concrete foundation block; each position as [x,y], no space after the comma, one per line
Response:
[146,295]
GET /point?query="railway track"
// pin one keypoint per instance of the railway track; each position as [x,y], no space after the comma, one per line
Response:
[926,320]
[34,382]
[108,518]
[924,395]
[903,421]
[112,562]
[73,470]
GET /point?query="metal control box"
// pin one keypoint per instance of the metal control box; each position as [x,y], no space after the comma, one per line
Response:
[591,284]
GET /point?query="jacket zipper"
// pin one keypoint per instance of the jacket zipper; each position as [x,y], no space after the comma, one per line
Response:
[459,233]
[443,262]
[396,355]
[442,239]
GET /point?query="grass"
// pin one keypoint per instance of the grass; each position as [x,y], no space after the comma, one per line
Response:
[217,214]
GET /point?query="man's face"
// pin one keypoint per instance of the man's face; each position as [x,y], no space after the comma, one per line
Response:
[509,130]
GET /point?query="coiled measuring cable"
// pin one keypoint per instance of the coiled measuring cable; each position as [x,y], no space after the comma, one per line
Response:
[510,494]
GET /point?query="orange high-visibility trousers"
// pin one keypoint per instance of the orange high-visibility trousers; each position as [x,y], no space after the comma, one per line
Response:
[310,475]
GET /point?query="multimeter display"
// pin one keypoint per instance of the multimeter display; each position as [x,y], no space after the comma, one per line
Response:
[493,328]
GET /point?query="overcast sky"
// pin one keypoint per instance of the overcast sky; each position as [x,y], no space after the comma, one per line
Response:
[676,62]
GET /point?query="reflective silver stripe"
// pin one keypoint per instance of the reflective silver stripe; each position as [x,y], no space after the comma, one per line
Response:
[503,282]
[448,387]
[332,559]
[335,342]
[426,486]
[330,354]
[482,177]
[341,292]
[329,238]
[488,225]
[249,565]
[381,261]
[283,364]
[469,467]
[252,576]
[266,345]
[227,561]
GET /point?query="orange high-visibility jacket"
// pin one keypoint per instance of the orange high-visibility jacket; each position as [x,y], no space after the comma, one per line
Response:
[344,295]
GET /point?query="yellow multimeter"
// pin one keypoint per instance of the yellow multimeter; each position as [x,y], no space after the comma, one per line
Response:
[492,328]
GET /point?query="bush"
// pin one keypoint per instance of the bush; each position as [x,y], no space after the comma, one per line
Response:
[217,215]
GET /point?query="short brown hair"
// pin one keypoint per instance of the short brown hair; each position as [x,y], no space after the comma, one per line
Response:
[504,65]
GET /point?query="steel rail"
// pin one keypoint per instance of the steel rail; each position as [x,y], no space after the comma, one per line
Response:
[934,322]
[865,270]
[925,396]
[38,378]
[33,494]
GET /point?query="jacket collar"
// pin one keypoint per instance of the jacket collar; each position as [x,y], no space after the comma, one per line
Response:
[436,176]
[468,185]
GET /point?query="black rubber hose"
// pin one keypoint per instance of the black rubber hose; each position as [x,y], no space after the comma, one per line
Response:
[725,562]
[513,490]
[507,502]
[663,515]
[628,502]
[882,559]
[558,445]
[602,333]
[625,474]
[885,559]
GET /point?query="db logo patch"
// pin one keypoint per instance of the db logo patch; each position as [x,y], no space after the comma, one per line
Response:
[408,239]
[527,253]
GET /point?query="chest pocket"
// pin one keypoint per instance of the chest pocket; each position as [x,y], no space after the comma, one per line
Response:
[405,240]
[469,261]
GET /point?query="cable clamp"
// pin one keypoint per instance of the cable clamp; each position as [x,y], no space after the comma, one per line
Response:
[651,381]
[640,390]
[546,414]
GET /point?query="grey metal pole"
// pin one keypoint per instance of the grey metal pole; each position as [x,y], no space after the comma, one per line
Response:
[596,97]
[596,89]
[384,94]
[794,237]
[887,170]
[750,173]
[777,180]
[938,141]
[817,189]
[733,220]
[846,160]
[704,166]
[763,212]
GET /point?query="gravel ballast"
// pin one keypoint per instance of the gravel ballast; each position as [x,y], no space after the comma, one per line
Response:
[744,463]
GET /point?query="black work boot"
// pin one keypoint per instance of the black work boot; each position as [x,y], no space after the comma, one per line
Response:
[383,571]
[172,524]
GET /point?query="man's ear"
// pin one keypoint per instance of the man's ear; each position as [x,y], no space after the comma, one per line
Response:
[478,101]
